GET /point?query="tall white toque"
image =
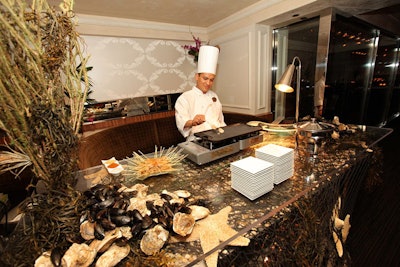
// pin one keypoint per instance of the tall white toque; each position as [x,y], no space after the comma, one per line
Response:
[208,59]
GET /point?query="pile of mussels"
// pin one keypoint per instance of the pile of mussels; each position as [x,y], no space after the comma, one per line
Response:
[115,215]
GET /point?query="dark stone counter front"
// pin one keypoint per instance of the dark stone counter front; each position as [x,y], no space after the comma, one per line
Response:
[292,224]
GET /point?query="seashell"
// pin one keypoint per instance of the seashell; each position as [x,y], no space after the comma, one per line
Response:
[346,228]
[107,224]
[121,220]
[113,255]
[153,240]
[44,260]
[343,127]
[98,231]
[171,195]
[335,135]
[136,229]
[199,212]
[87,230]
[183,224]
[159,202]
[336,120]
[339,246]
[141,189]
[78,255]
[105,243]
[140,205]
[179,201]
[126,232]
[56,256]
[182,193]
[338,223]
[147,222]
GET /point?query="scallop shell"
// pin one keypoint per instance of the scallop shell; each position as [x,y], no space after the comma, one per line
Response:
[153,240]
[183,223]
[113,255]
[199,212]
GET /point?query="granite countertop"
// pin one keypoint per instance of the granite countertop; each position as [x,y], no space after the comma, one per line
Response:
[212,182]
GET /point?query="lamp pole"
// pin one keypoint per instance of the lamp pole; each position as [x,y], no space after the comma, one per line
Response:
[298,70]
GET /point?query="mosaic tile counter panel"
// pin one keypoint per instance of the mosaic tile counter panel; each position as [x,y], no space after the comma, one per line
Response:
[298,222]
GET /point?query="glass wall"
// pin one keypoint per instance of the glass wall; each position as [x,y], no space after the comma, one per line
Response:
[295,40]
[362,73]
[394,108]
[384,74]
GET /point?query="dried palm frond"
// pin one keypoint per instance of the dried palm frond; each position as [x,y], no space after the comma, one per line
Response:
[14,162]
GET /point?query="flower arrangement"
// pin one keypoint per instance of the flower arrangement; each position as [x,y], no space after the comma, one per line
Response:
[194,50]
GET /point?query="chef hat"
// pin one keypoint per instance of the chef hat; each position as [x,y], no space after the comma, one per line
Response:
[208,58]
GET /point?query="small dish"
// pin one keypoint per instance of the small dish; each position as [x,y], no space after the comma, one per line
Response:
[113,166]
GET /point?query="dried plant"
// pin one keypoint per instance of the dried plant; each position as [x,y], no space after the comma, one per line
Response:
[41,90]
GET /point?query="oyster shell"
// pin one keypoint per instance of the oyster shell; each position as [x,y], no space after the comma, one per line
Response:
[183,224]
[105,243]
[78,255]
[153,240]
[182,193]
[87,230]
[44,260]
[199,212]
[113,256]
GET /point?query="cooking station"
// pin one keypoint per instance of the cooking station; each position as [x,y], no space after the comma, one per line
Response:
[214,144]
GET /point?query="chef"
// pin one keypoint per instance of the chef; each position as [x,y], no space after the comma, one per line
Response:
[199,109]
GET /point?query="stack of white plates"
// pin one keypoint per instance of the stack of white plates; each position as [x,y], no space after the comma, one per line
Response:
[252,177]
[282,158]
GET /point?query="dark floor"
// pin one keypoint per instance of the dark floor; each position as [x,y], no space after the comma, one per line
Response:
[375,233]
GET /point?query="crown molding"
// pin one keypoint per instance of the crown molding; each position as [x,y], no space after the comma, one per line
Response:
[101,25]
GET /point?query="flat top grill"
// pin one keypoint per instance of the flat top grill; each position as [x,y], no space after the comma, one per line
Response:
[231,132]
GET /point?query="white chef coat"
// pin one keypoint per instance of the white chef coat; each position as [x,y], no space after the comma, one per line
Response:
[193,102]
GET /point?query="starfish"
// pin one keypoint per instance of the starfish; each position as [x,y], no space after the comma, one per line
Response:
[211,231]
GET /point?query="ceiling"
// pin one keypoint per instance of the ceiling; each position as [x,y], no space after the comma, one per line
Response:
[204,13]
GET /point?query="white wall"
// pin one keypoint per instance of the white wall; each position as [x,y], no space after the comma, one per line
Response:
[137,58]
[126,67]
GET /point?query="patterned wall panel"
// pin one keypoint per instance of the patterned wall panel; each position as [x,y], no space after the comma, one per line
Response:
[135,67]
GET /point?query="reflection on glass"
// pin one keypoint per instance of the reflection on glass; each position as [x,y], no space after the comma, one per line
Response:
[382,81]
[350,57]
[394,106]
[129,107]
[299,40]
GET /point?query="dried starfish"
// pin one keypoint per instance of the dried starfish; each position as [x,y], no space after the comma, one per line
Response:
[211,231]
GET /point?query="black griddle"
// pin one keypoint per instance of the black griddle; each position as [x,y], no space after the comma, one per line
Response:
[233,131]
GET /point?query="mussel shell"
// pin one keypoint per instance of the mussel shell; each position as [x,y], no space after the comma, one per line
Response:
[116,211]
[121,220]
[105,203]
[56,256]
[122,241]
[84,216]
[147,222]
[99,231]
[166,196]
[136,215]
[136,229]
[107,224]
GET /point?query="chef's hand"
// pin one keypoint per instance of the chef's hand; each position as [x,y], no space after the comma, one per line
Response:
[198,119]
